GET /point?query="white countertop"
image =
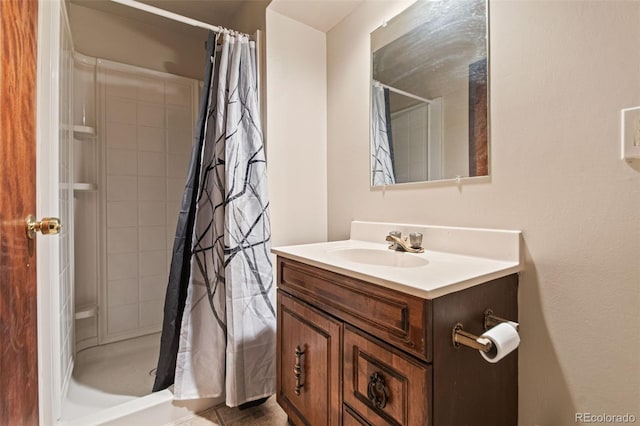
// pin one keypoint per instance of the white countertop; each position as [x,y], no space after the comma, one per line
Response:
[443,272]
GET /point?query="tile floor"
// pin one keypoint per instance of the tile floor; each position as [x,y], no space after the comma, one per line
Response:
[267,414]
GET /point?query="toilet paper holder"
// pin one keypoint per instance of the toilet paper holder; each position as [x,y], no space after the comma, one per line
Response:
[461,337]
[491,320]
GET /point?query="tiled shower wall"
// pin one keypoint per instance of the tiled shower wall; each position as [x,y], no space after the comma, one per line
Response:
[148,121]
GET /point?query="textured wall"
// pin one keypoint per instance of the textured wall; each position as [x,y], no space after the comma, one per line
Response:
[560,73]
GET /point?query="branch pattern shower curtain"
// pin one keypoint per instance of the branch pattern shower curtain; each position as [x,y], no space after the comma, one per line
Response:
[382,169]
[218,333]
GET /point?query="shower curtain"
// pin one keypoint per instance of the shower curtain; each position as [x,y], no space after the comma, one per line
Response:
[218,334]
[382,170]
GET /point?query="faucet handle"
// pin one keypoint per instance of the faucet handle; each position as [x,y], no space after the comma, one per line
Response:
[415,240]
[394,234]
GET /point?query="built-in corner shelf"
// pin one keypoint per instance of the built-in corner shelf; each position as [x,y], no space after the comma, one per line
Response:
[82,186]
[83,132]
[86,311]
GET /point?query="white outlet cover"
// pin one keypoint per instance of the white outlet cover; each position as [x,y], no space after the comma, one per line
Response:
[630,132]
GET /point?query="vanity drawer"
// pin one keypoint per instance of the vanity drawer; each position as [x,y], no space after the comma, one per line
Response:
[398,318]
[383,385]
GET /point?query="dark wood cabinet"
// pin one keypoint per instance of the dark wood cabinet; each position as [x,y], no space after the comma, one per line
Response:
[355,353]
[308,363]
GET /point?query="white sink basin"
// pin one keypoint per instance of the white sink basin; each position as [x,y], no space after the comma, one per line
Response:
[377,257]
[454,258]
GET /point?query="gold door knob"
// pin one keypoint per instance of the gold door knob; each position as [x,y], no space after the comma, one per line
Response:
[48,225]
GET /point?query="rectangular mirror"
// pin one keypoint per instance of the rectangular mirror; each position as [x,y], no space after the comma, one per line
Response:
[429,93]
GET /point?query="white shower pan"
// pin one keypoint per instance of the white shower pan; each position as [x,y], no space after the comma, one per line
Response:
[111,385]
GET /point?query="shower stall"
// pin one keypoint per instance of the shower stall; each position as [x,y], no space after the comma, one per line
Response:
[130,151]
[125,135]
[130,168]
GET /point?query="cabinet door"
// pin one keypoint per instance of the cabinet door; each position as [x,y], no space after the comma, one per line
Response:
[309,363]
[383,385]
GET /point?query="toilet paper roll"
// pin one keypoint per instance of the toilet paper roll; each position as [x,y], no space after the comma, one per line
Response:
[505,339]
[513,324]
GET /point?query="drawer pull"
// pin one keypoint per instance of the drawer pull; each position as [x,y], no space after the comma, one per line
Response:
[297,369]
[377,391]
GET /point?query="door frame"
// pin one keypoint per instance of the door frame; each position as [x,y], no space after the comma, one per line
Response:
[47,204]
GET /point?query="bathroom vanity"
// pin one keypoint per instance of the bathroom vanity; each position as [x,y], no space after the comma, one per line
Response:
[365,333]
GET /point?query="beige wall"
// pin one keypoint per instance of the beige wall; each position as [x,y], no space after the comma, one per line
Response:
[296,130]
[251,17]
[560,73]
[105,35]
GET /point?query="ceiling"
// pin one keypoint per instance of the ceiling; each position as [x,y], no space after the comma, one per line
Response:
[319,14]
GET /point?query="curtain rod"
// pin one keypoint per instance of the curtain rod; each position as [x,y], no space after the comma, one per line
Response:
[402,92]
[175,17]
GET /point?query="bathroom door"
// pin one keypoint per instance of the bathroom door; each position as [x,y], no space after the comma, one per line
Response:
[54,195]
[18,322]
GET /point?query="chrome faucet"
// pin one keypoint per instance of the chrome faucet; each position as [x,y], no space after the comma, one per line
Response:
[400,244]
